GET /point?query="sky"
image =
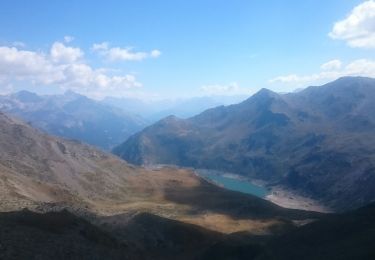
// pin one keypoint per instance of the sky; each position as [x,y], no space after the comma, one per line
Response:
[174,48]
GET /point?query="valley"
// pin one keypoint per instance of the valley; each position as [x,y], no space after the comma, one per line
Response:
[44,173]
[123,210]
[316,143]
[187,130]
[48,174]
[276,194]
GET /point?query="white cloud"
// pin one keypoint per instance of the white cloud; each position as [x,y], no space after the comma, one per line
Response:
[124,54]
[100,46]
[231,89]
[68,38]
[155,53]
[82,75]
[65,54]
[63,68]
[331,65]
[330,71]
[7,89]
[117,53]
[27,65]
[358,28]
[19,44]
[362,67]
[289,79]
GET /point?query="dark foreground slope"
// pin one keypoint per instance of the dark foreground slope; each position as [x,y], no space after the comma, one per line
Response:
[61,235]
[55,235]
[319,142]
[345,236]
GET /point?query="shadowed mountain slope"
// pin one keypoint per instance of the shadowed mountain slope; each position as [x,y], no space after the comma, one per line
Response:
[345,236]
[61,235]
[318,142]
[56,235]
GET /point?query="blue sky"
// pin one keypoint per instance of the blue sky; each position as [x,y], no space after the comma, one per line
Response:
[182,48]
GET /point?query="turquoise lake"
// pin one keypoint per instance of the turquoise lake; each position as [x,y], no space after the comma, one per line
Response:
[237,185]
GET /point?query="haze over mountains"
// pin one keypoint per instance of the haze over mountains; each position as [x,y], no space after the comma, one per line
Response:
[105,123]
[154,110]
[318,142]
[74,116]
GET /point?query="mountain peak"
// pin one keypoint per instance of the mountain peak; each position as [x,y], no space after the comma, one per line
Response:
[262,96]
[170,119]
[265,92]
[351,82]
[71,93]
[348,86]
[353,79]
[26,96]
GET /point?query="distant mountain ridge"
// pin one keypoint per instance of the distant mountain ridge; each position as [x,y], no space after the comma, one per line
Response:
[154,110]
[319,141]
[73,116]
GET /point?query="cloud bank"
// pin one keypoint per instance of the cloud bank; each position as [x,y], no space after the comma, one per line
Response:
[358,28]
[329,71]
[63,66]
[122,54]
[232,89]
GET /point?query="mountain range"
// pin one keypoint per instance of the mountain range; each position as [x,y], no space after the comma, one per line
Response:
[317,142]
[154,110]
[115,203]
[40,170]
[64,199]
[74,116]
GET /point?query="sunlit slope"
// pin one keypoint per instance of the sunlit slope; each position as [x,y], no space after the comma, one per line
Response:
[43,172]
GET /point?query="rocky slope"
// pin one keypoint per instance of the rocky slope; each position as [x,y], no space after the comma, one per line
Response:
[318,141]
[120,211]
[44,173]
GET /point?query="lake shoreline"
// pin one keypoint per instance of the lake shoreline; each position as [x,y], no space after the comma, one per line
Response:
[233,182]
[276,194]
[290,199]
